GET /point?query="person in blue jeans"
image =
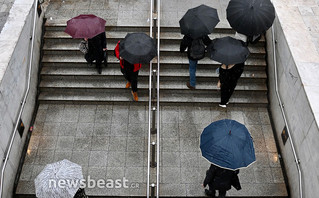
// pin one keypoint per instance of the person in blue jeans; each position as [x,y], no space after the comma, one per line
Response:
[187,43]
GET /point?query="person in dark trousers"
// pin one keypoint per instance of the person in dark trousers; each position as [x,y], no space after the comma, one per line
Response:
[129,71]
[253,39]
[97,51]
[220,179]
[187,44]
[228,77]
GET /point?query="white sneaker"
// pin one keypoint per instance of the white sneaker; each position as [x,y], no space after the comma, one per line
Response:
[224,106]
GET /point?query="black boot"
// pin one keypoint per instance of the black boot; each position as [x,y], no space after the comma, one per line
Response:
[209,193]
[99,70]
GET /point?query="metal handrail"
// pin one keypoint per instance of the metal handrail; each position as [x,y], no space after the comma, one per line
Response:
[158,95]
[149,110]
[297,161]
[154,7]
[6,158]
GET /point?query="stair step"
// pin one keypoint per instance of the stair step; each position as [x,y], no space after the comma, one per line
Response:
[114,36]
[182,59]
[119,83]
[169,47]
[55,25]
[162,66]
[172,97]
[167,72]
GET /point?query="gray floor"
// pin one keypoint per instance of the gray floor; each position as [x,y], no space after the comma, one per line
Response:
[110,141]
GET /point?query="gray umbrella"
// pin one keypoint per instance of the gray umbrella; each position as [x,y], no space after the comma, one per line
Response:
[47,182]
[228,50]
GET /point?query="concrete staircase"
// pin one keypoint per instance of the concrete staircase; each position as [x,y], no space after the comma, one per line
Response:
[66,77]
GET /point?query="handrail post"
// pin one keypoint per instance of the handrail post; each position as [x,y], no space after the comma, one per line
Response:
[153,163]
[153,129]
[153,83]
[152,190]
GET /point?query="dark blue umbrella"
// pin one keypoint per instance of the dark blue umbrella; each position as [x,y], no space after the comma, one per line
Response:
[227,144]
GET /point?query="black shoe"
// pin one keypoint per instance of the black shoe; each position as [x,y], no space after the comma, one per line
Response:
[209,193]
[99,70]
[190,86]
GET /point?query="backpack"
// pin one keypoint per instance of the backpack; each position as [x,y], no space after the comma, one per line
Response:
[197,49]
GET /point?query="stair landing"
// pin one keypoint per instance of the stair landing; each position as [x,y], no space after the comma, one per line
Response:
[110,142]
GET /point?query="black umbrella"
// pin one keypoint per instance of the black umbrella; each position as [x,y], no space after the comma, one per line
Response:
[138,48]
[228,50]
[250,17]
[199,21]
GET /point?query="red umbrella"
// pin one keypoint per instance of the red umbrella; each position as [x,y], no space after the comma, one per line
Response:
[85,26]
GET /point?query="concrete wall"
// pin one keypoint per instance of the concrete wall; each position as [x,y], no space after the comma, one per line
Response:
[292,86]
[15,45]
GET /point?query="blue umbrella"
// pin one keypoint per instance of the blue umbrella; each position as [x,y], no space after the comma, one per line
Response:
[227,144]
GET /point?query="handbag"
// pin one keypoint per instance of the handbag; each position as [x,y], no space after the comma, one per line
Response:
[83,47]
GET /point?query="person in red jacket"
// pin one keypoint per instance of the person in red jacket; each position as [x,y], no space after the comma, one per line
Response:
[129,71]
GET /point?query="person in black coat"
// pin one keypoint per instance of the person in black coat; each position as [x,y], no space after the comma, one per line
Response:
[228,77]
[220,179]
[187,44]
[97,50]
[80,193]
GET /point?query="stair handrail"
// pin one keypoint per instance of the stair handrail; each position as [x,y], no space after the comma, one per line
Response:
[155,7]
[9,147]
[149,109]
[297,160]
[158,96]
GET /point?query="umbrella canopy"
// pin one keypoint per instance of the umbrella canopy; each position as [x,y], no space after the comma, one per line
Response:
[250,17]
[138,48]
[199,21]
[227,144]
[228,50]
[85,26]
[47,182]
